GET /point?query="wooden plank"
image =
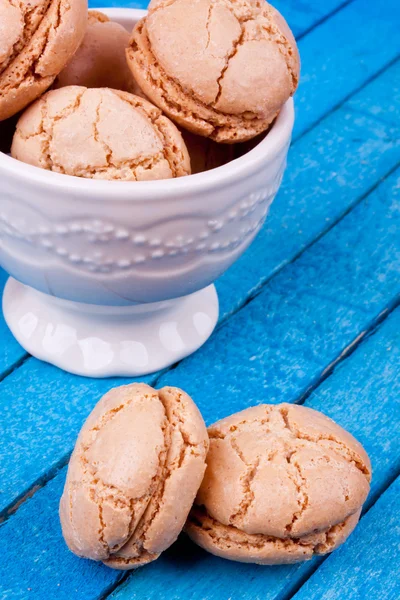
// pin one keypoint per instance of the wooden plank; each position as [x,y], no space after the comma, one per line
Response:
[361,395]
[304,14]
[368,565]
[48,570]
[343,54]
[337,167]
[281,343]
[328,171]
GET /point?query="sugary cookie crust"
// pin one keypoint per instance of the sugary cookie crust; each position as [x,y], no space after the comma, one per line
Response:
[256,22]
[48,34]
[282,483]
[110,511]
[40,138]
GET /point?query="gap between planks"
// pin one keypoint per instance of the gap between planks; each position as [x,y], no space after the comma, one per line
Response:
[18,363]
[323,19]
[345,99]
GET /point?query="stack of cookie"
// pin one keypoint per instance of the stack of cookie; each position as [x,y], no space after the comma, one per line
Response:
[275,484]
[213,72]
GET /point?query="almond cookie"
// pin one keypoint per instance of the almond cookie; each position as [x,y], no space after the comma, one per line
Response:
[101,134]
[220,68]
[37,39]
[134,473]
[282,484]
[100,60]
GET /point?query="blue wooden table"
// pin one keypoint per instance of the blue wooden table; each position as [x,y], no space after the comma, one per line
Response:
[310,314]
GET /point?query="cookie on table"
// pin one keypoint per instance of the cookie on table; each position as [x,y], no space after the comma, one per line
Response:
[37,39]
[219,68]
[100,61]
[100,134]
[132,478]
[283,483]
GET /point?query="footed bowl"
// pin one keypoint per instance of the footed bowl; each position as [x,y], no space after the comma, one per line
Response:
[115,278]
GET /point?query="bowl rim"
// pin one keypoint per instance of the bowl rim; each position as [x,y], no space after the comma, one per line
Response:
[243,167]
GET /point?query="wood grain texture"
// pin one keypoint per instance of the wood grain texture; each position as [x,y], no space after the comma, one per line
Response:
[368,565]
[353,45]
[34,555]
[37,564]
[329,170]
[282,342]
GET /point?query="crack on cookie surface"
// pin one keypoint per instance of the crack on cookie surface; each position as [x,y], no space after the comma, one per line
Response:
[300,482]
[338,446]
[101,492]
[283,449]
[204,117]
[208,119]
[32,17]
[137,543]
[248,493]
[24,65]
[127,169]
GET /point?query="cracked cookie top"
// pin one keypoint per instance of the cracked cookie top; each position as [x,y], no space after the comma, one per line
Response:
[100,60]
[132,478]
[37,38]
[221,68]
[283,481]
[100,134]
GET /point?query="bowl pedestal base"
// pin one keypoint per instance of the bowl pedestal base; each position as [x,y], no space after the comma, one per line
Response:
[106,341]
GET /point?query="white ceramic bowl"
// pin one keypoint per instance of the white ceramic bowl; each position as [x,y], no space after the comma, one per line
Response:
[114,278]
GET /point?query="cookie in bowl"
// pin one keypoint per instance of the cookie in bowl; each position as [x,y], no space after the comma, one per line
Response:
[37,39]
[100,60]
[240,65]
[100,134]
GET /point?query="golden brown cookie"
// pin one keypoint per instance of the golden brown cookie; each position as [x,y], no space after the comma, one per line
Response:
[100,134]
[100,61]
[282,484]
[132,478]
[220,68]
[37,39]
